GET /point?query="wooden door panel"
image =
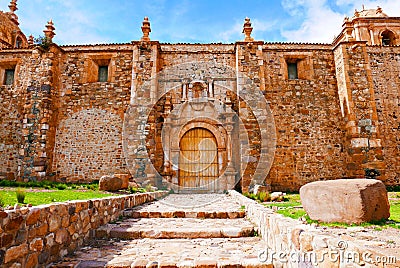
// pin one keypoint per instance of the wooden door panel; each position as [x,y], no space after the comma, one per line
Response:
[198,159]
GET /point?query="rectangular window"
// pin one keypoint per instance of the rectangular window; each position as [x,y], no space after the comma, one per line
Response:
[292,70]
[103,73]
[9,77]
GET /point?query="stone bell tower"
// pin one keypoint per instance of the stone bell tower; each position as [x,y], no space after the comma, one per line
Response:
[373,26]
[366,29]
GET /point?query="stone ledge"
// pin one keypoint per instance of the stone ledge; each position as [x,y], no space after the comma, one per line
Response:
[172,228]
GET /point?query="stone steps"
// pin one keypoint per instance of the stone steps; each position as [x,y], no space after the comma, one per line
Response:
[171,228]
[179,231]
[140,253]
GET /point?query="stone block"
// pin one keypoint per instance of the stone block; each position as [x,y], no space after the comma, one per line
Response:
[261,189]
[346,200]
[111,183]
[16,252]
[33,216]
[125,178]
[277,196]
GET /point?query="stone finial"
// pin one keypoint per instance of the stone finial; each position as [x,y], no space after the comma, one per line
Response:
[31,40]
[356,13]
[146,29]
[379,10]
[13,7]
[49,31]
[247,29]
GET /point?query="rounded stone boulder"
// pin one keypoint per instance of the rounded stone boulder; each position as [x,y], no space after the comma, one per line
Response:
[346,200]
[113,183]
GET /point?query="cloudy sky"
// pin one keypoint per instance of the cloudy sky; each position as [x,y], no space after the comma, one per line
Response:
[200,21]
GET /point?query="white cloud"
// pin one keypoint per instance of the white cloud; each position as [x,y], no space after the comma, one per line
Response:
[232,34]
[320,23]
[390,7]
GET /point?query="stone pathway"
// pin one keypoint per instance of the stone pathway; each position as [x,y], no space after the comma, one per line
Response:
[179,231]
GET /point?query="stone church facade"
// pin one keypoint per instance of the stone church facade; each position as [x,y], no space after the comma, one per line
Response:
[202,117]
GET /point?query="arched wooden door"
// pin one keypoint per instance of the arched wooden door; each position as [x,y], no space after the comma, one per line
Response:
[198,160]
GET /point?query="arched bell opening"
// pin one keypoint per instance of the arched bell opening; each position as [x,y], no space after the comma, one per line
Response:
[388,38]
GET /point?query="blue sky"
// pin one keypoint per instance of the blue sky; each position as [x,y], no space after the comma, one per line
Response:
[193,21]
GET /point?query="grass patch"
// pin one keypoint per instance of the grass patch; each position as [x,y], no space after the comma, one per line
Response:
[395,211]
[20,193]
[49,185]
[291,207]
[8,196]
[259,197]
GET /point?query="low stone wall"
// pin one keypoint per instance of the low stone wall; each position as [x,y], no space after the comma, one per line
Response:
[289,243]
[36,236]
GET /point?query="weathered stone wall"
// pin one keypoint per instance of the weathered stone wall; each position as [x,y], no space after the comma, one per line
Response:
[34,237]
[88,142]
[174,54]
[308,122]
[10,133]
[363,142]
[385,65]
[79,87]
[88,146]
[39,91]
[12,101]
[72,125]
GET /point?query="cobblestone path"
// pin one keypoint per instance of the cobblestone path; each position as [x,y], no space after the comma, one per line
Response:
[203,230]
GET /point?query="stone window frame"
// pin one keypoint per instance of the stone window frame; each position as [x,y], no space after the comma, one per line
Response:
[8,65]
[93,64]
[305,70]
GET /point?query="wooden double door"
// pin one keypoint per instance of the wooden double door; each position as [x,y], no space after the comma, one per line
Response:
[198,160]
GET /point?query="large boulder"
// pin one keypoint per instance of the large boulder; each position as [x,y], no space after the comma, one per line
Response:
[346,200]
[125,179]
[113,183]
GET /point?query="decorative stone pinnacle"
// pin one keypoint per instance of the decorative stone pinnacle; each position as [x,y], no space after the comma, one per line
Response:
[13,7]
[146,29]
[49,31]
[379,10]
[247,29]
[30,40]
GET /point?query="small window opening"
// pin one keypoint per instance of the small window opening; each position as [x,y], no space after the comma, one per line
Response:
[388,38]
[9,77]
[103,74]
[292,70]
[18,43]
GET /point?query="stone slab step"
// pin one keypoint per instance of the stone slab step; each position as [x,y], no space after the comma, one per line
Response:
[207,206]
[160,228]
[134,213]
[214,252]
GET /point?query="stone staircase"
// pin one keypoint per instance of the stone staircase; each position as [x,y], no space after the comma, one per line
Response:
[203,230]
